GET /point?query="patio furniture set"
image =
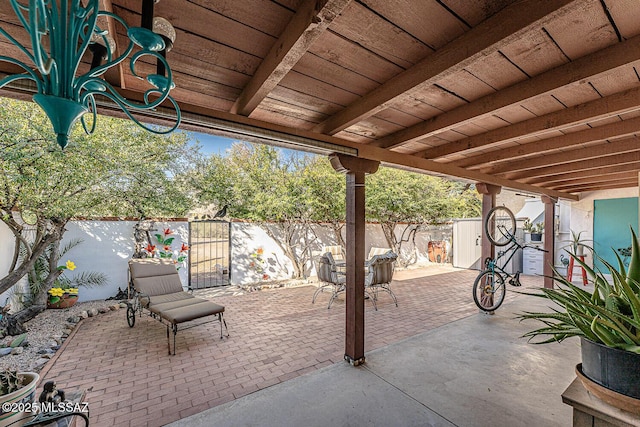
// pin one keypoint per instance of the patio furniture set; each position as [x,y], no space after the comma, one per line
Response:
[379,267]
[156,289]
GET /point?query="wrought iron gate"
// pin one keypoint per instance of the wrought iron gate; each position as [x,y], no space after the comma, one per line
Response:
[210,254]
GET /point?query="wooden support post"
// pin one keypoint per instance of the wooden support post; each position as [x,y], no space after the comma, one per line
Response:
[549,239]
[355,169]
[488,192]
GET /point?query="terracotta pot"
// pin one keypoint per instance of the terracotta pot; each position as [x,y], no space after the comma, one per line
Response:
[26,394]
[66,301]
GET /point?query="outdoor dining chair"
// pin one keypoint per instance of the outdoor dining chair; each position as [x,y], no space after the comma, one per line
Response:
[336,252]
[379,277]
[329,277]
[377,251]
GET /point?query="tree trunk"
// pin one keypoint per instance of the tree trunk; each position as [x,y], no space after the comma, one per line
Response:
[337,232]
[13,324]
[389,235]
[288,245]
[51,237]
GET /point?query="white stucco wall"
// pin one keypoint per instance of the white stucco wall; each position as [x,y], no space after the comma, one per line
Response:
[107,247]
[6,255]
[247,238]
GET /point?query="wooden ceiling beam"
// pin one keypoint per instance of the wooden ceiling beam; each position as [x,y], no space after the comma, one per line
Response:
[196,117]
[605,149]
[613,130]
[309,22]
[484,39]
[599,162]
[622,102]
[592,180]
[614,185]
[583,174]
[580,70]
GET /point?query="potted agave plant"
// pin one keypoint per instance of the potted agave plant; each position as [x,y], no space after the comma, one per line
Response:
[607,321]
[16,389]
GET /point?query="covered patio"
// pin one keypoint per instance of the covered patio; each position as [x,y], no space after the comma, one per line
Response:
[540,96]
[276,335]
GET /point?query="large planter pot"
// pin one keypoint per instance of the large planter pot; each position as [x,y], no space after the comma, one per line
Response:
[24,395]
[614,369]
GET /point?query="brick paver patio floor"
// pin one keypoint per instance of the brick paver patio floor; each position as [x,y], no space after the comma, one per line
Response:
[276,335]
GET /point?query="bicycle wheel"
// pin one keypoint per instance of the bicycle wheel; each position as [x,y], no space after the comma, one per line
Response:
[500,226]
[131,316]
[488,290]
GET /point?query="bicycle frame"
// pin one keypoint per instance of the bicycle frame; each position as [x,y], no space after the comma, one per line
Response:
[514,245]
[489,288]
[492,263]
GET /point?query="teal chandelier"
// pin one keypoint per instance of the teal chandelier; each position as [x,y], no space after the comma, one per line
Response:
[61,32]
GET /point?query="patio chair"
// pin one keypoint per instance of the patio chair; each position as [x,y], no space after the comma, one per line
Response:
[379,276]
[338,256]
[336,252]
[377,251]
[158,289]
[329,276]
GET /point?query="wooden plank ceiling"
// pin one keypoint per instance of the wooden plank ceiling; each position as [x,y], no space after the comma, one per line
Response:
[536,95]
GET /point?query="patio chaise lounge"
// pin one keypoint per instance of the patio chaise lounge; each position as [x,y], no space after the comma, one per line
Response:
[158,289]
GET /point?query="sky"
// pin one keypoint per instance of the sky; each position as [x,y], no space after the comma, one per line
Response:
[212,144]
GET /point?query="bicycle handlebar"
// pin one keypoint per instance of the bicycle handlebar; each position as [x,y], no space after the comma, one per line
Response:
[513,240]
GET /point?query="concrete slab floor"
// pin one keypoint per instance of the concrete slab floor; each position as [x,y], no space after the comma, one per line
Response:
[473,372]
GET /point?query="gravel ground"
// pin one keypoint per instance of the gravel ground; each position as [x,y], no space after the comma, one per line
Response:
[45,333]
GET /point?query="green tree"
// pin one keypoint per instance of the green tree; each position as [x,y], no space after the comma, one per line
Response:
[278,191]
[406,201]
[270,189]
[120,170]
[326,193]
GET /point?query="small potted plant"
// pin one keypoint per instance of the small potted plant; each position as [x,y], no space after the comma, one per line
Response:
[607,321]
[576,244]
[534,230]
[16,389]
[62,294]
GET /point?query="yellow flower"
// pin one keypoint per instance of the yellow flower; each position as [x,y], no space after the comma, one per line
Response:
[70,265]
[56,292]
[72,291]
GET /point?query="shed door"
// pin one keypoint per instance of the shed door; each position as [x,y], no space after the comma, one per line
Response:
[467,244]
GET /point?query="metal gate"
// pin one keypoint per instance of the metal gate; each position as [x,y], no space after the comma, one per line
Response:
[210,254]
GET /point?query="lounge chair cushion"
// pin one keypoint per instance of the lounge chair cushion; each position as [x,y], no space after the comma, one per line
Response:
[148,267]
[158,285]
[193,311]
[162,299]
[159,307]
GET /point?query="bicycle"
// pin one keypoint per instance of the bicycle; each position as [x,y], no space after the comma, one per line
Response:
[489,287]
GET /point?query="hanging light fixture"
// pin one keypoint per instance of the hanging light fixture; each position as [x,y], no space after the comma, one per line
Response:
[60,33]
